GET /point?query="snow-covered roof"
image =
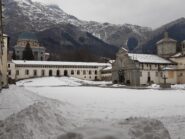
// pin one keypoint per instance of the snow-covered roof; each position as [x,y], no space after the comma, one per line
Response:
[168,68]
[107,68]
[166,39]
[177,55]
[58,63]
[148,58]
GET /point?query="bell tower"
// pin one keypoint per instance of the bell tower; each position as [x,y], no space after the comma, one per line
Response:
[166,47]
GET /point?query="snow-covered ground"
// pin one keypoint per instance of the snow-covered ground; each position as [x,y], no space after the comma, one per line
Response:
[92,105]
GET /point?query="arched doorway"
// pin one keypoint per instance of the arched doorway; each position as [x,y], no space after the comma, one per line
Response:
[65,73]
[50,73]
[121,76]
[96,78]
[58,73]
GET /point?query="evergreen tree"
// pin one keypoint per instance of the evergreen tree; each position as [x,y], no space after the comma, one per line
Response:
[27,53]
[14,55]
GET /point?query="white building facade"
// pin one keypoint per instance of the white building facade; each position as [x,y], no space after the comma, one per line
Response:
[3,62]
[18,69]
[31,38]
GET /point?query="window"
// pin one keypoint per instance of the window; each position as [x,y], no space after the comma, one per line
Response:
[27,72]
[17,72]
[90,72]
[35,72]
[72,72]
[9,72]
[9,65]
[181,74]
[96,72]
[78,72]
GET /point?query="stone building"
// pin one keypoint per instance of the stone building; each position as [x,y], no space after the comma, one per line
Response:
[166,47]
[179,58]
[19,69]
[29,37]
[106,74]
[142,69]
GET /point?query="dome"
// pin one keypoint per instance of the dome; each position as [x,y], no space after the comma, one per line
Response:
[28,36]
[166,39]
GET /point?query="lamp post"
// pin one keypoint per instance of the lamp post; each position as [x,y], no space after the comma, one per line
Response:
[165,84]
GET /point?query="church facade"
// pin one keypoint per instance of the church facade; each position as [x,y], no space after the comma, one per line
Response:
[167,66]
[25,38]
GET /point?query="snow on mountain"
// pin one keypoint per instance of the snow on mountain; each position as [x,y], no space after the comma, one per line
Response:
[38,16]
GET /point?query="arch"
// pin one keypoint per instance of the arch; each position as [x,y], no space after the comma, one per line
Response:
[50,73]
[121,76]
[72,72]
[58,73]
[95,72]
[96,78]
[65,73]
[90,72]
[78,72]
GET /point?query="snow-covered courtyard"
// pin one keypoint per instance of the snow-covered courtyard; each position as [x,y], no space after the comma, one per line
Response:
[88,103]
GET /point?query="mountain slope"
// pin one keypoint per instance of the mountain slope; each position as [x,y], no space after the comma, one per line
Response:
[176,30]
[72,44]
[25,15]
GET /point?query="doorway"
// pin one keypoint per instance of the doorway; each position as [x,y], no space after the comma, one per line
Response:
[50,73]
[65,73]
[58,73]
[121,76]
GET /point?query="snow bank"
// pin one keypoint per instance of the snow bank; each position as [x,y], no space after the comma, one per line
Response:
[58,81]
[154,86]
[15,99]
[138,128]
[39,121]
[48,81]
[178,86]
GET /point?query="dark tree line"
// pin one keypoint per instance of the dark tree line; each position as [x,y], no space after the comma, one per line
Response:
[27,53]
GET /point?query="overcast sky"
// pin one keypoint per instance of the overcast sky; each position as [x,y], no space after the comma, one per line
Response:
[151,13]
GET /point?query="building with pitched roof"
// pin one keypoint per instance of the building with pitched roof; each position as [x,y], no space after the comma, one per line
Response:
[21,69]
[166,47]
[31,38]
[167,67]
[141,69]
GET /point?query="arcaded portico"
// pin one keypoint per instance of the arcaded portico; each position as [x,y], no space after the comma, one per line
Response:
[19,69]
